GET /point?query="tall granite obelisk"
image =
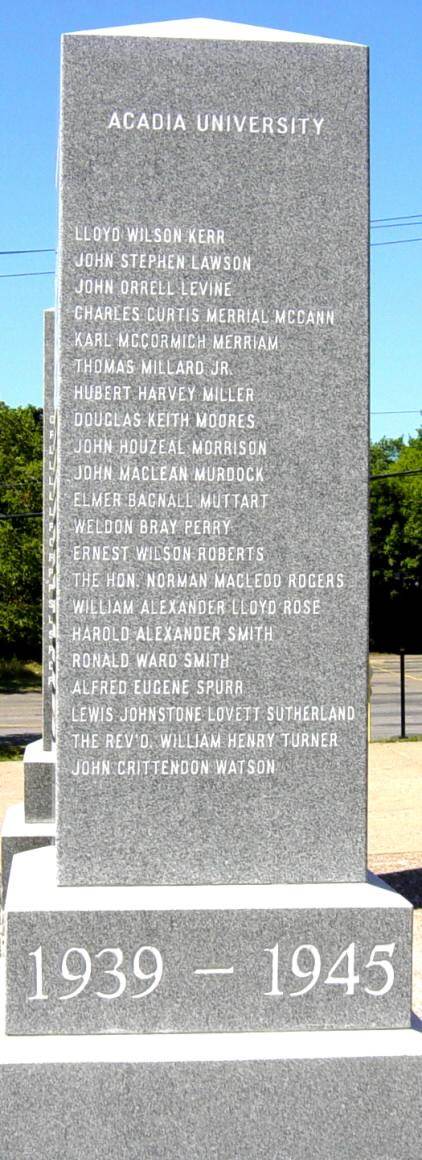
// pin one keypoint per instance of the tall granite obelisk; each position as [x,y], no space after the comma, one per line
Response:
[212,628]
[212,551]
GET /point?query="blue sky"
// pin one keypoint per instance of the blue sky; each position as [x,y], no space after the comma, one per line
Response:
[30,36]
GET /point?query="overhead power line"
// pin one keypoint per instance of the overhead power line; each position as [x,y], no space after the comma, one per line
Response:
[30,274]
[392,226]
[401,220]
[403,217]
[396,474]
[397,242]
[383,475]
[51,250]
[40,273]
[408,217]
[48,251]
[22,516]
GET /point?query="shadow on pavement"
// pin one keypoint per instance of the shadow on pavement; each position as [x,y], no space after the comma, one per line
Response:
[406,882]
[10,742]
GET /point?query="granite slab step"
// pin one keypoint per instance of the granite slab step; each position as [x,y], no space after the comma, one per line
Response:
[310,1096]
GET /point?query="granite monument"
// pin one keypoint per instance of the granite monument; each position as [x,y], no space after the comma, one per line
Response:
[212,470]
[202,964]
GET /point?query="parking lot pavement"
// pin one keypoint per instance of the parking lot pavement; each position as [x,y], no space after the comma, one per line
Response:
[385,695]
[395,806]
[11,785]
[20,717]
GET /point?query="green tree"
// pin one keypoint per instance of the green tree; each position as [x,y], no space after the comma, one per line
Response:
[21,440]
[396,544]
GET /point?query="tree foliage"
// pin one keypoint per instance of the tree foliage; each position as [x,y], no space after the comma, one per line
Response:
[21,440]
[396,544]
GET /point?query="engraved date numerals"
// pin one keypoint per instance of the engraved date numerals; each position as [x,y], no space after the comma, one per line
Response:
[306,964]
[108,973]
[77,964]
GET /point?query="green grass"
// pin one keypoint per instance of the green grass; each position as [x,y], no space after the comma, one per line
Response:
[389,740]
[9,751]
[20,676]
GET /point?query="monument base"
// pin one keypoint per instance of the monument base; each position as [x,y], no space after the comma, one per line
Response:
[89,960]
[19,836]
[39,767]
[333,1095]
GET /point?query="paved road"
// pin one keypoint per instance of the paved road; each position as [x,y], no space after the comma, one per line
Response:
[385,695]
[20,717]
[20,713]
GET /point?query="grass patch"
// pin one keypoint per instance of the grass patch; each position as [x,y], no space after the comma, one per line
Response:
[20,676]
[9,751]
[397,740]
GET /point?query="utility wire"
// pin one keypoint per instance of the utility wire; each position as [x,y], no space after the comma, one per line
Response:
[39,273]
[391,226]
[384,475]
[401,220]
[395,474]
[402,217]
[398,242]
[49,251]
[36,479]
[32,274]
[23,516]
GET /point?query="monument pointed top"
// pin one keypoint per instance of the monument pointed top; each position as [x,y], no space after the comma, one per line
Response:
[200,28]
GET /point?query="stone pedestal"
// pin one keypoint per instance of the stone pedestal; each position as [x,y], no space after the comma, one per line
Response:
[187,959]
